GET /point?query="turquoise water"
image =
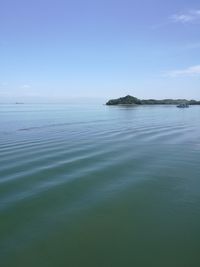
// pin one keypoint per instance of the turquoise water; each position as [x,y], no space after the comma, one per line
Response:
[91,185]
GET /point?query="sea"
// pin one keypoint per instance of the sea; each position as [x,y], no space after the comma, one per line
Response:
[90,185]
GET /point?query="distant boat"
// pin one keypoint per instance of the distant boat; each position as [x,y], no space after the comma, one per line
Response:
[183,106]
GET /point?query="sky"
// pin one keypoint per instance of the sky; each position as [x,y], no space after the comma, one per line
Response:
[57,50]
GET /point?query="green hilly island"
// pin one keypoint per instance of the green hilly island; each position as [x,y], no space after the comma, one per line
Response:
[131,100]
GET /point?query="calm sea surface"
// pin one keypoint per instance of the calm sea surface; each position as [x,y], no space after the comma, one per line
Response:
[97,186]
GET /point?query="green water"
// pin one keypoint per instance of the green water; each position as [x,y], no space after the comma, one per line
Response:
[91,185]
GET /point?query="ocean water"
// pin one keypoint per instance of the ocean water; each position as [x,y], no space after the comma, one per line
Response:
[91,185]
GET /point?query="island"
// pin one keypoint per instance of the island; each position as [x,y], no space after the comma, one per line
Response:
[131,100]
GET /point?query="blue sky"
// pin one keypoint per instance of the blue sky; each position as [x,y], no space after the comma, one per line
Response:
[53,50]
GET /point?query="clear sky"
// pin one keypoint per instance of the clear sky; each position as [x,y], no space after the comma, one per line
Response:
[58,49]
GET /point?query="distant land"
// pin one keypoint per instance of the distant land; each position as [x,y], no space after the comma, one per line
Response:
[131,100]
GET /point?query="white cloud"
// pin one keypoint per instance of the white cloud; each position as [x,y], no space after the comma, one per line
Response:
[192,46]
[191,71]
[191,16]
[4,84]
[26,86]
